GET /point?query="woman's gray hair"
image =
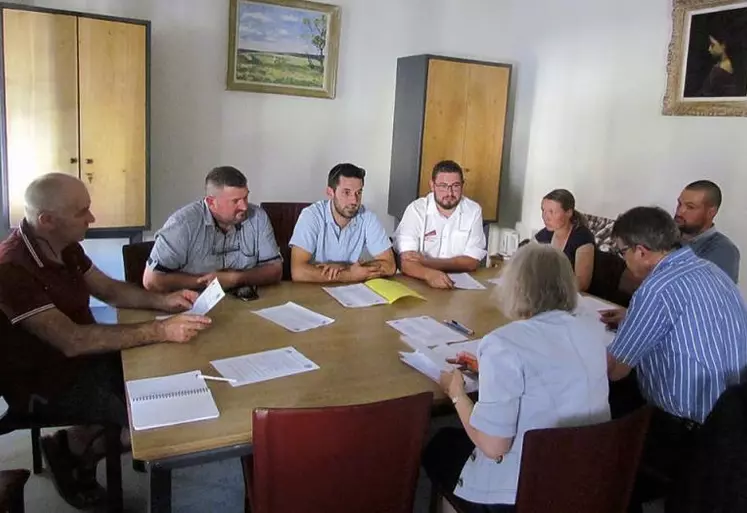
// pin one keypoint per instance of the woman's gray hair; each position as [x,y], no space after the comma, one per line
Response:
[537,279]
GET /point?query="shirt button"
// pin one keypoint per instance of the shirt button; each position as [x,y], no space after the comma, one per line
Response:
[499,459]
[460,482]
[473,456]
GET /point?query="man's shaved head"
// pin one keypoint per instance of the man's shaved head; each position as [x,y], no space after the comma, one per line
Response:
[52,193]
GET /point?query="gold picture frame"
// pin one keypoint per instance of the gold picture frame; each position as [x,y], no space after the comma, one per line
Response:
[283,47]
[702,78]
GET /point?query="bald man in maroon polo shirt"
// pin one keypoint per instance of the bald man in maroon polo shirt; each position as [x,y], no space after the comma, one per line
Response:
[54,359]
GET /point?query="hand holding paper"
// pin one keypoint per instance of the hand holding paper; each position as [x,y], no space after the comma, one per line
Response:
[210,297]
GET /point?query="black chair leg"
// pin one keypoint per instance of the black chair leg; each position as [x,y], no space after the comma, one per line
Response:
[114,468]
[16,503]
[433,507]
[36,449]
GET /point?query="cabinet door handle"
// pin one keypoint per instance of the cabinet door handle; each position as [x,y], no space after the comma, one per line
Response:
[466,170]
[90,177]
[89,161]
[73,160]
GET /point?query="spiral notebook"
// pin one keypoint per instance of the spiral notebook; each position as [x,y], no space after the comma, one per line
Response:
[170,400]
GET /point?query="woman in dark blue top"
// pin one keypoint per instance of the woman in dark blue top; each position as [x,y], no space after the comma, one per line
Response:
[566,230]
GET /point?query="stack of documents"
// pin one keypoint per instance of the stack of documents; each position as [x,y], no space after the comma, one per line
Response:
[425,365]
[170,400]
[426,328]
[372,292]
[465,281]
[257,367]
[294,317]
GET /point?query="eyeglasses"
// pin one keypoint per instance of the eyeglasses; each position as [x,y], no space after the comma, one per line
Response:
[454,187]
[621,251]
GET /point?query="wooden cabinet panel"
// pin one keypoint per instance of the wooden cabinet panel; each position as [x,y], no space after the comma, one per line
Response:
[41,99]
[487,99]
[112,71]
[445,117]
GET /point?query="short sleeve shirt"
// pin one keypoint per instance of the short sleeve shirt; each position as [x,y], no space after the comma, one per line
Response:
[580,236]
[544,372]
[191,242]
[425,230]
[318,233]
[31,284]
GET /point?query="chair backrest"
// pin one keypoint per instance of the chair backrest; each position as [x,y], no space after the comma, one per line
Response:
[135,257]
[605,280]
[283,217]
[588,469]
[362,458]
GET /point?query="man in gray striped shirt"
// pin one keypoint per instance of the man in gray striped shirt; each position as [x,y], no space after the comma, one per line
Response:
[685,332]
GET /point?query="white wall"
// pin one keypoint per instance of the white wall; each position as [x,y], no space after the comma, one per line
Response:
[589,79]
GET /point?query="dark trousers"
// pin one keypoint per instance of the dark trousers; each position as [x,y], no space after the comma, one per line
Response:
[668,445]
[443,460]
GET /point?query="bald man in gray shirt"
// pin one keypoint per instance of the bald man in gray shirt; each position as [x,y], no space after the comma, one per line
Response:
[697,205]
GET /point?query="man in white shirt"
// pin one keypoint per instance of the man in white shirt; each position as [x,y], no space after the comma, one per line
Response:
[441,232]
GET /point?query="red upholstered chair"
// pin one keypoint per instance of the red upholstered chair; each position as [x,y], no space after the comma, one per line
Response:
[589,469]
[283,217]
[12,483]
[361,458]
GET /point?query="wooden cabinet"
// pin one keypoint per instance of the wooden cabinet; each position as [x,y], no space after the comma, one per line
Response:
[76,101]
[449,109]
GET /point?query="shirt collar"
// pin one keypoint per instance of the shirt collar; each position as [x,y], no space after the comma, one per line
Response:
[432,208]
[330,219]
[681,253]
[30,241]
[702,236]
[209,220]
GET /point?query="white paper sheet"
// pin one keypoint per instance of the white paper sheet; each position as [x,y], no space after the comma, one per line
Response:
[439,353]
[355,296]
[427,329]
[423,364]
[465,281]
[451,350]
[205,302]
[258,367]
[294,317]
[496,281]
[210,297]
[588,307]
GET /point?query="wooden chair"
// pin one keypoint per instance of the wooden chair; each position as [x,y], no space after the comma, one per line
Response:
[12,483]
[135,256]
[283,217]
[588,469]
[362,458]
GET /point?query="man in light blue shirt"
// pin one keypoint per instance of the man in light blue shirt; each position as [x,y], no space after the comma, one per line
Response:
[332,236]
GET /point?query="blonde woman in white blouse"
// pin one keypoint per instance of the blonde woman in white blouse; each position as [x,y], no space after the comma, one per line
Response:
[547,368]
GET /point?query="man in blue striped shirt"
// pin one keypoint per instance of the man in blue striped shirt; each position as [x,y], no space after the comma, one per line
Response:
[685,331]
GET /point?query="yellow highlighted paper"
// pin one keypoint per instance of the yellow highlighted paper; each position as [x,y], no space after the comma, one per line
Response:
[391,290]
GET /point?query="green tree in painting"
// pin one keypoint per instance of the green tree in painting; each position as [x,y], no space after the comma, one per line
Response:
[318,38]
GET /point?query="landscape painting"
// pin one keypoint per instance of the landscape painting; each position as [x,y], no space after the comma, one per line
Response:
[283,47]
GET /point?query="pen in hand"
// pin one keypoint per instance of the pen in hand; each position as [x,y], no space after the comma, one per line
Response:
[216,378]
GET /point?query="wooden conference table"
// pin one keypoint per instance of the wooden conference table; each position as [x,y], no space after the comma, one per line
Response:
[357,354]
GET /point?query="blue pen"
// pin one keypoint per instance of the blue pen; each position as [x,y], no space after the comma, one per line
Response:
[460,327]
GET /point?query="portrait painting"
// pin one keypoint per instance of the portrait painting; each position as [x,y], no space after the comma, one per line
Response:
[284,47]
[707,65]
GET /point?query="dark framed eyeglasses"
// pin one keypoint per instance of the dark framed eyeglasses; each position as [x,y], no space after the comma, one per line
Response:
[621,251]
[453,187]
